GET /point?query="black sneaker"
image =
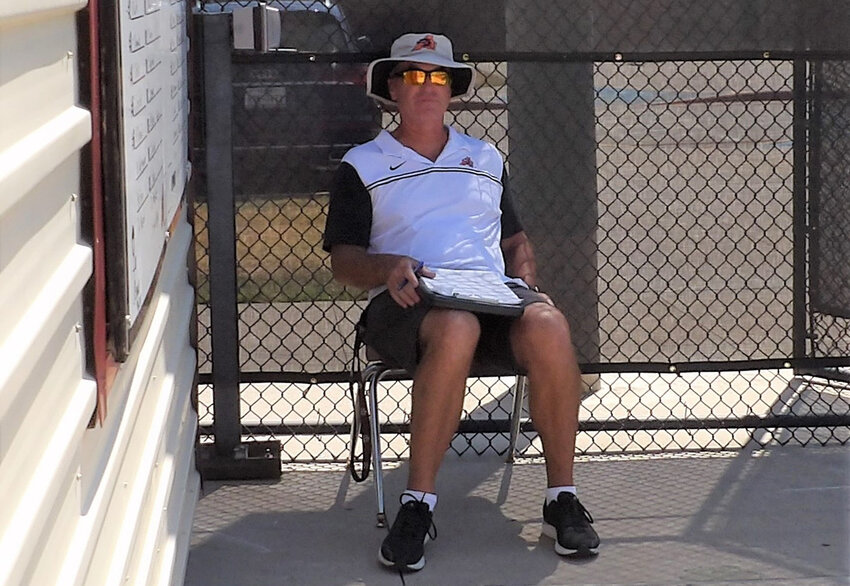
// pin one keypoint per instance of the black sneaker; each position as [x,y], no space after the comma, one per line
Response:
[567,522]
[404,547]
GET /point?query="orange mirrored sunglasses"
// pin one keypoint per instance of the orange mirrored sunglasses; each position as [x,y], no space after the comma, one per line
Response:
[418,76]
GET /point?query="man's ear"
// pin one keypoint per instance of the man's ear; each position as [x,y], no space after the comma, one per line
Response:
[391,89]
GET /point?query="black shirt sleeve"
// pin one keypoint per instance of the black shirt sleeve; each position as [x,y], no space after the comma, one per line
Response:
[510,221]
[349,211]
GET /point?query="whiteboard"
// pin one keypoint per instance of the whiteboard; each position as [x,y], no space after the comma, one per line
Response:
[155,125]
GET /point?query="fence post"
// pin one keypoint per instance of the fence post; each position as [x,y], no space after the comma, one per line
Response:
[800,221]
[218,95]
[229,458]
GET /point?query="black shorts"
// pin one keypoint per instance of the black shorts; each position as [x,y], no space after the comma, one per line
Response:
[393,332]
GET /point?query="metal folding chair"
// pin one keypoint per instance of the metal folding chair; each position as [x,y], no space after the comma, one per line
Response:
[365,399]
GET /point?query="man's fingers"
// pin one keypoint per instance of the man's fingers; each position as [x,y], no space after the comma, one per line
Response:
[404,281]
[399,298]
[410,295]
[406,296]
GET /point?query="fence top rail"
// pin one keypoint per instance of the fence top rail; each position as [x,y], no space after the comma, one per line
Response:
[291,56]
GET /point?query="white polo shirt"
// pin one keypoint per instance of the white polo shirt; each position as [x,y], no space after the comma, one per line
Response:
[448,213]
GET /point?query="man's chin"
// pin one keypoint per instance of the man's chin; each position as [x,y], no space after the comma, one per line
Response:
[433,104]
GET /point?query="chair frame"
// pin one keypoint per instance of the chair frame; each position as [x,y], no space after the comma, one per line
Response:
[372,375]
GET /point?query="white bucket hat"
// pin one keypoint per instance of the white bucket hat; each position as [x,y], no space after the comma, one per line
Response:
[419,48]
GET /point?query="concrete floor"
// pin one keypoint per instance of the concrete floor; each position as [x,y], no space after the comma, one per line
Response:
[779,515]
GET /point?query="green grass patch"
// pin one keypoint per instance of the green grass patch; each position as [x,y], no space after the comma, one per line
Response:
[278,250]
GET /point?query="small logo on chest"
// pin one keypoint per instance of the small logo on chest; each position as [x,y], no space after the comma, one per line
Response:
[394,167]
[467,162]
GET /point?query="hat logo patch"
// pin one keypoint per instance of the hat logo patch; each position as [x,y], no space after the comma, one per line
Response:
[426,42]
[467,161]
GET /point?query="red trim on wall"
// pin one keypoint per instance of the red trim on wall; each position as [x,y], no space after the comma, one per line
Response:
[102,359]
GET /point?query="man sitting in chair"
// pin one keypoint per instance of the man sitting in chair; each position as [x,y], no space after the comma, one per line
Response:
[423,198]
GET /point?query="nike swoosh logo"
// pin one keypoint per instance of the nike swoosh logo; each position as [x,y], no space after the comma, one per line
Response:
[393,168]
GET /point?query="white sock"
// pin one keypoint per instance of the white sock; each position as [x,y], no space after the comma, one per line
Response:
[429,498]
[553,491]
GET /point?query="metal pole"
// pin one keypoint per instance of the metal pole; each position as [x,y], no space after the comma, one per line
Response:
[218,95]
[814,205]
[800,161]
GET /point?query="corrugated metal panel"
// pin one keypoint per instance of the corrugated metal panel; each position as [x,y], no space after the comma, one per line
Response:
[38,68]
[150,429]
[163,400]
[116,501]
[37,9]
[46,400]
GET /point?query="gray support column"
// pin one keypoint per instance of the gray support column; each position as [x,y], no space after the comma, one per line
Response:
[552,167]
[829,191]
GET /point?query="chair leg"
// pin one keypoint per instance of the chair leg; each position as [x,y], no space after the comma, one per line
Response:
[516,415]
[372,382]
[356,424]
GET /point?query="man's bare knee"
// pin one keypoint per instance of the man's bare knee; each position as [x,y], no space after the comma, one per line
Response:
[543,321]
[542,331]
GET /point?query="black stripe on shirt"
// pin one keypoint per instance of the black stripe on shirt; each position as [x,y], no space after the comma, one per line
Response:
[388,180]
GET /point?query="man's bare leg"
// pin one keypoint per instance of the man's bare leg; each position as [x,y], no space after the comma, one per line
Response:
[448,339]
[543,347]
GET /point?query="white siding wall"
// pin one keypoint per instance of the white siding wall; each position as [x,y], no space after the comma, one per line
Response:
[112,504]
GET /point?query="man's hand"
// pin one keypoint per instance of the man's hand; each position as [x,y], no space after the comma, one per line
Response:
[546,297]
[353,265]
[403,279]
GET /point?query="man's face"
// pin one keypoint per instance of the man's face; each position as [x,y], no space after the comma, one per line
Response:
[419,101]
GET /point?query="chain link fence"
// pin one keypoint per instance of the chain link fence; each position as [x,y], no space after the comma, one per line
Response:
[682,168]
